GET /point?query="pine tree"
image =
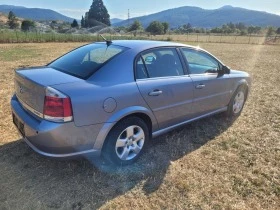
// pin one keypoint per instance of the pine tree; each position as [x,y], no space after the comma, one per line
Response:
[11,16]
[98,14]
[83,22]
[75,24]
[12,21]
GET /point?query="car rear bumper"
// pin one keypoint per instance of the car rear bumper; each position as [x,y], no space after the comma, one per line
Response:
[51,139]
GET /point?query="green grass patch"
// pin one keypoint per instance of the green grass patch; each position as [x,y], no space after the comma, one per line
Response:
[18,53]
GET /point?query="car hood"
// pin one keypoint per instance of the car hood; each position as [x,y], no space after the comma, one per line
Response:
[239,72]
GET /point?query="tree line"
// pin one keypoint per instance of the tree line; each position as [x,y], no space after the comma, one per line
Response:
[229,28]
[154,28]
[14,23]
[158,28]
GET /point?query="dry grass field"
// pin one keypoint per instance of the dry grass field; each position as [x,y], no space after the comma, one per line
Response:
[213,163]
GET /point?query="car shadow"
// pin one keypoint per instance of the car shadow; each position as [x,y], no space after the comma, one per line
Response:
[34,181]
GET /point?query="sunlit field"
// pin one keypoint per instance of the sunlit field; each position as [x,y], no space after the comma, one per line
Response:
[214,163]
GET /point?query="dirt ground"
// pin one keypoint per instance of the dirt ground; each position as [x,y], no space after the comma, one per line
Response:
[213,163]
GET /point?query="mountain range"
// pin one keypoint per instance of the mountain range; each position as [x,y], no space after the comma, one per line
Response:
[199,17]
[36,14]
[176,17]
[116,20]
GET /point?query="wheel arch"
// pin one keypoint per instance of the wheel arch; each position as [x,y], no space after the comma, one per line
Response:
[242,82]
[141,112]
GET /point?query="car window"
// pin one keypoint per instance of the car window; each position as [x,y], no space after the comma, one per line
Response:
[163,62]
[84,61]
[200,62]
[141,72]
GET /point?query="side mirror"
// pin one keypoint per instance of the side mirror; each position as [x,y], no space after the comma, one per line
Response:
[226,70]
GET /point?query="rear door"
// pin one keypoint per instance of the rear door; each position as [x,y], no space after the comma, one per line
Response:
[211,91]
[164,85]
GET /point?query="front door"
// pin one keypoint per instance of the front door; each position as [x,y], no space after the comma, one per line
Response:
[211,91]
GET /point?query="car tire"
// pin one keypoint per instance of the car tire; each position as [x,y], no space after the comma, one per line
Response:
[237,102]
[126,141]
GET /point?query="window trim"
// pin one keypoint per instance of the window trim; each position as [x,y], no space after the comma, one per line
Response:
[203,52]
[139,55]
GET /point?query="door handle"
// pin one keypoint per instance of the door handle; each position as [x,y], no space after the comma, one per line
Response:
[155,93]
[200,86]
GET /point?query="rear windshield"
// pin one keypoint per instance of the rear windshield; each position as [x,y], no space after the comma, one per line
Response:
[86,60]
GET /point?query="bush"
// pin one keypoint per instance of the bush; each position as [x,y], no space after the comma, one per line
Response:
[27,25]
[155,28]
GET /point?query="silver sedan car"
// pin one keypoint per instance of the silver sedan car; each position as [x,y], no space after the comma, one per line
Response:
[112,97]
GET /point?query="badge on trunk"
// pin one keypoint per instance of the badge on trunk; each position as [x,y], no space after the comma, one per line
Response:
[20,89]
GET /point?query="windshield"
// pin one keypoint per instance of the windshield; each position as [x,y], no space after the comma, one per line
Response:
[86,60]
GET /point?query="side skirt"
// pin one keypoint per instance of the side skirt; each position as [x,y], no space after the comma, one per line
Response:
[166,130]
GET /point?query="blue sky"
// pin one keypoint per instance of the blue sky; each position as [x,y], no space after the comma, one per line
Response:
[119,8]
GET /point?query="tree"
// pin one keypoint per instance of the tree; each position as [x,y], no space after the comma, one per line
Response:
[11,16]
[226,29]
[12,20]
[83,22]
[231,26]
[270,31]
[75,24]
[216,30]
[155,28]
[254,29]
[53,24]
[188,26]
[251,29]
[240,26]
[98,14]
[27,25]
[136,26]
[165,27]
[278,31]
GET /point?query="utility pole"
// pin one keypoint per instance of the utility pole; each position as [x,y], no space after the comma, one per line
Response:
[128,18]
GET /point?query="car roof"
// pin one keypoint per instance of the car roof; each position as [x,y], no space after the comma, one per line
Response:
[141,45]
[146,44]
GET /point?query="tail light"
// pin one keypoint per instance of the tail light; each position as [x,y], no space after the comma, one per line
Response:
[57,106]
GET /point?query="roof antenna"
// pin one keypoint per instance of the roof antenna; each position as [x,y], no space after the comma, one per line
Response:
[108,42]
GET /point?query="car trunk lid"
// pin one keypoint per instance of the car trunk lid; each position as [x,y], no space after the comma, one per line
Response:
[31,83]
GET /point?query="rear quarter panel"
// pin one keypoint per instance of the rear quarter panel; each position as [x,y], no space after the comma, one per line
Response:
[114,80]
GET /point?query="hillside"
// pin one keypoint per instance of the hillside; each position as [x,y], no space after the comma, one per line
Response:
[34,13]
[199,17]
[3,18]
[115,20]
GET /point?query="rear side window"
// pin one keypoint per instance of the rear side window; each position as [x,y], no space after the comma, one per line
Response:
[84,61]
[160,62]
